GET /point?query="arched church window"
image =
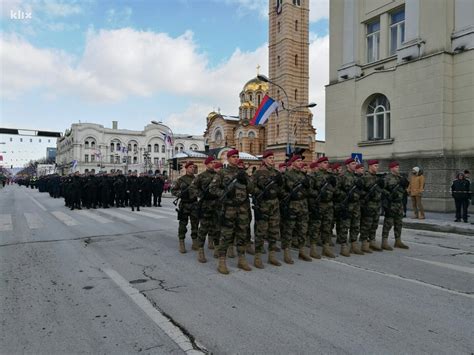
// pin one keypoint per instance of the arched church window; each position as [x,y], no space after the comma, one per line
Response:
[278,61]
[296,25]
[251,135]
[279,26]
[218,136]
[296,94]
[378,118]
[250,97]
[259,99]
[241,135]
[296,60]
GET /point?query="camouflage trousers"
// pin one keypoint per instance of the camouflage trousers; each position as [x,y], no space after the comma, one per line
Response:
[349,224]
[369,223]
[187,213]
[326,216]
[393,218]
[296,224]
[267,226]
[234,223]
[314,226]
[208,226]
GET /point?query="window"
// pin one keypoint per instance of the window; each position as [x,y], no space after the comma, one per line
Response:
[117,147]
[296,60]
[111,159]
[378,118]
[156,148]
[250,97]
[251,148]
[297,2]
[279,27]
[86,145]
[86,158]
[218,136]
[149,148]
[259,99]
[21,139]
[49,140]
[156,161]
[135,148]
[373,41]
[112,146]
[39,140]
[296,25]
[278,61]
[163,161]
[163,148]
[11,139]
[92,144]
[135,160]
[31,140]
[278,130]
[397,30]
[296,94]
[129,147]
[241,135]
[251,135]
[92,158]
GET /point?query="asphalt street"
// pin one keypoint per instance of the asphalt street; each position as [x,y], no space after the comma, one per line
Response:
[112,281]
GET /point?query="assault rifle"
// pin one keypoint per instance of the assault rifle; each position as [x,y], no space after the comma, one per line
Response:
[345,202]
[200,202]
[323,190]
[256,200]
[175,202]
[227,190]
[286,201]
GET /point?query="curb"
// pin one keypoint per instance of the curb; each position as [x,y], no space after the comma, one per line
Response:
[436,228]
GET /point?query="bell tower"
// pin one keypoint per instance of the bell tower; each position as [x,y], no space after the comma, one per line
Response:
[288,51]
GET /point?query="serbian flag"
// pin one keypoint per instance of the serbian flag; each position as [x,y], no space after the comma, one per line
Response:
[266,108]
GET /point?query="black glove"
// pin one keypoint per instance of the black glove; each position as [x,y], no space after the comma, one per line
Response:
[332,180]
[381,182]
[278,179]
[242,177]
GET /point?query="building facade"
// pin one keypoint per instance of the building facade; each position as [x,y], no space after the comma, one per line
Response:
[402,87]
[92,147]
[20,146]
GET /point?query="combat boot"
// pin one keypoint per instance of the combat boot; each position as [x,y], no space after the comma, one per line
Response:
[272,258]
[210,244]
[195,245]
[399,244]
[355,249]
[182,247]
[345,250]
[243,264]
[327,251]
[221,266]
[287,256]
[231,252]
[303,256]
[313,252]
[201,256]
[258,261]
[365,247]
[373,245]
[249,249]
[385,245]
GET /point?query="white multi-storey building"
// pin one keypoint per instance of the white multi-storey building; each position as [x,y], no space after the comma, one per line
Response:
[402,87]
[88,146]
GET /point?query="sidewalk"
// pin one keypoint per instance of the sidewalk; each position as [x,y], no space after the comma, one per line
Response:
[438,222]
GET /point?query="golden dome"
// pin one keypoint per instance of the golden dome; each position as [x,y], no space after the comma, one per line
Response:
[212,114]
[247,104]
[256,84]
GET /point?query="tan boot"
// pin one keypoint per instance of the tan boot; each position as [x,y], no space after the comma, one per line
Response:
[249,249]
[231,252]
[182,247]
[366,247]
[303,256]
[272,258]
[313,252]
[373,245]
[355,249]
[195,245]
[385,245]
[287,256]
[258,261]
[327,251]
[345,250]
[201,256]
[221,266]
[243,264]
[399,244]
[210,244]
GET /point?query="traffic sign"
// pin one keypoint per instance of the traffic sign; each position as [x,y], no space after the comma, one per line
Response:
[357,157]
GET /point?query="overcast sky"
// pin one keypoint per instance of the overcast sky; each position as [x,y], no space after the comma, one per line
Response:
[139,60]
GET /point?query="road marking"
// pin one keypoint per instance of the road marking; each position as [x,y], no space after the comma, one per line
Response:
[156,316]
[118,215]
[66,219]
[36,202]
[93,216]
[469,270]
[5,222]
[160,211]
[418,282]
[146,214]
[33,220]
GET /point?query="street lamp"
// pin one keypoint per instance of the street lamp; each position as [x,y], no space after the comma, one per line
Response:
[160,123]
[288,110]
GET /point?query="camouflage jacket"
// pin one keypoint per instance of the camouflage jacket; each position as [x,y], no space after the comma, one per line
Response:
[180,188]
[292,179]
[348,181]
[261,178]
[372,192]
[225,179]
[393,189]
[200,185]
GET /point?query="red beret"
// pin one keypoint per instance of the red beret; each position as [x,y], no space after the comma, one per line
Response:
[358,166]
[335,166]
[281,165]
[393,164]
[218,165]
[294,158]
[320,160]
[232,152]
[209,160]
[188,164]
[267,153]
[373,161]
[313,165]
[348,161]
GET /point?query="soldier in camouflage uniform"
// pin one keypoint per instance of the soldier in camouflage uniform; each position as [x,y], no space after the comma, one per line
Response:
[187,207]
[314,223]
[232,186]
[350,209]
[295,209]
[370,207]
[325,184]
[395,185]
[267,181]
[206,209]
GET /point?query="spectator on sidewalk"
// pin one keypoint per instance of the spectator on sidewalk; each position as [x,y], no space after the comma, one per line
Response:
[415,190]
[461,192]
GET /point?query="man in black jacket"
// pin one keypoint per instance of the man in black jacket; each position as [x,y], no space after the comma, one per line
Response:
[461,192]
